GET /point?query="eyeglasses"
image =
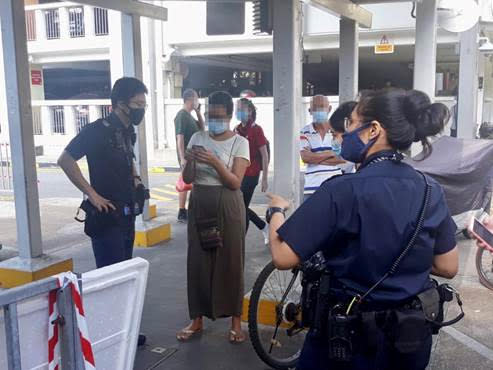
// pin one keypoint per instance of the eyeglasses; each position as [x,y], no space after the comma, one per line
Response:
[138,106]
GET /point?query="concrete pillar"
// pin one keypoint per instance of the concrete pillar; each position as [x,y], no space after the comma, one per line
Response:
[348,60]
[21,128]
[64,22]
[94,113]
[468,84]
[40,25]
[89,21]
[426,47]
[69,120]
[287,98]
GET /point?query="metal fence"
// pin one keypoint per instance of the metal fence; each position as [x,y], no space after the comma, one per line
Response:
[57,120]
[101,22]
[71,357]
[76,21]
[52,20]
[5,167]
[31,25]
[81,117]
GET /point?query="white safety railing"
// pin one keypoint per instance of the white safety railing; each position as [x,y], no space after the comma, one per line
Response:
[105,111]
[63,20]
[5,167]
[37,125]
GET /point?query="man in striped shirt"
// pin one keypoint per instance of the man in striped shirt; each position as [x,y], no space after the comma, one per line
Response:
[316,147]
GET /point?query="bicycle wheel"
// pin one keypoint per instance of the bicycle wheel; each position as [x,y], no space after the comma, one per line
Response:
[274,317]
[484,266]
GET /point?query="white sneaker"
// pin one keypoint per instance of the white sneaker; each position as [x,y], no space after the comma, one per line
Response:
[265,233]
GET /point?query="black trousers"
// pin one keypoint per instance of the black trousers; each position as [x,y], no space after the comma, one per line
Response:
[247,188]
[314,357]
[115,244]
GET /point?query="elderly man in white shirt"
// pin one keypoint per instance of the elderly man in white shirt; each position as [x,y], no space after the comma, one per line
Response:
[316,147]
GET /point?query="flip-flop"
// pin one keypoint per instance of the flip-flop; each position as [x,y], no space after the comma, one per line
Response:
[185,334]
[234,337]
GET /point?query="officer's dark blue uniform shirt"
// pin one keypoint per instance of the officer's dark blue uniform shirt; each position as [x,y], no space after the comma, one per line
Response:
[108,147]
[363,221]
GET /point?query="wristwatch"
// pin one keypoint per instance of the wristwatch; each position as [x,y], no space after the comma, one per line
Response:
[270,212]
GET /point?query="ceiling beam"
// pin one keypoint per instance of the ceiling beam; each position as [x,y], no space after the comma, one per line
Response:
[132,7]
[346,9]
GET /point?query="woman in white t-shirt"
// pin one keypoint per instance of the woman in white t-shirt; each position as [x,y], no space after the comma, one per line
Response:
[216,163]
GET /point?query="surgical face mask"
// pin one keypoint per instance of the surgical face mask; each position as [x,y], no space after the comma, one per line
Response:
[353,149]
[136,115]
[320,116]
[217,126]
[336,147]
[242,116]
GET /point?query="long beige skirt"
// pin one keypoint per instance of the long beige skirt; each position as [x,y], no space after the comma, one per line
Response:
[215,277]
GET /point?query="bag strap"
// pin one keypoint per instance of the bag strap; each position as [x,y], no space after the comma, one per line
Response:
[412,241]
[227,166]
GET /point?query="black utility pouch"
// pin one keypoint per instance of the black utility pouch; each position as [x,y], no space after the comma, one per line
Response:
[341,330]
[96,222]
[209,233]
[407,329]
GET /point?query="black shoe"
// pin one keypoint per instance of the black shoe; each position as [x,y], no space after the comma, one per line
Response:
[182,215]
[142,340]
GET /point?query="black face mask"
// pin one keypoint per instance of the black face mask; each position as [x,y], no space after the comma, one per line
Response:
[136,115]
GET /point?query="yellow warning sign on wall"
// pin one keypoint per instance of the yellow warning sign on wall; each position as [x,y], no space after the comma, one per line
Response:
[385,47]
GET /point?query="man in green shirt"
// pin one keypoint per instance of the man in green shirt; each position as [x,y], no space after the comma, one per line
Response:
[185,127]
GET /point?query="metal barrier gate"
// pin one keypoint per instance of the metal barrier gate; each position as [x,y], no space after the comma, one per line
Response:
[71,356]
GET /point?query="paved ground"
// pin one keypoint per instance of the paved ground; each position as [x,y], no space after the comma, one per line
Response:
[469,345]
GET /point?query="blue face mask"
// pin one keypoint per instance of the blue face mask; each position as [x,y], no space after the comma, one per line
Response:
[242,115]
[353,149]
[216,126]
[320,116]
[336,147]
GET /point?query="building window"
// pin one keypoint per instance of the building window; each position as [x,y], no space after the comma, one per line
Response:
[101,21]
[31,25]
[81,117]
[37,126]
[105,111]
[76,21]
[52,20]
[57,120]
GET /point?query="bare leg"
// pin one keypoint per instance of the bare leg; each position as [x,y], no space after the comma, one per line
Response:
[182,199]
[236,335]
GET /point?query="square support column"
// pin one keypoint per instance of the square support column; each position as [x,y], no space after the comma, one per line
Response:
[348,60]
[127,47]
[31,264]
[287,60]
[425,49]
[468,84]
[16,67]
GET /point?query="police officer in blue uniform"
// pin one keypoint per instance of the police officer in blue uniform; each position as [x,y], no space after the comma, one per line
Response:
[361,223]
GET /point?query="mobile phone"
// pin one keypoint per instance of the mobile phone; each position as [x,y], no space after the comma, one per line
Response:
[198,147]
[481,232]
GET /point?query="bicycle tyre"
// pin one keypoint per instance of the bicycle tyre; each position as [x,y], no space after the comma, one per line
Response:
[483,278]
[253,325]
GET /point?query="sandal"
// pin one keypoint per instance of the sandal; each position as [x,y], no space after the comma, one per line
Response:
[185,334]
[235,337]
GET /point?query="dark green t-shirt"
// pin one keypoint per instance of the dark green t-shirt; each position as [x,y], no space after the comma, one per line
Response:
[185,125]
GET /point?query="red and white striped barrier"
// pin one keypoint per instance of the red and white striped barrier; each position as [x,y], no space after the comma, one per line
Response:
[68,279]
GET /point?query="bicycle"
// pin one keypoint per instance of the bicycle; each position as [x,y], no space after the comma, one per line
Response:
[275,313]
